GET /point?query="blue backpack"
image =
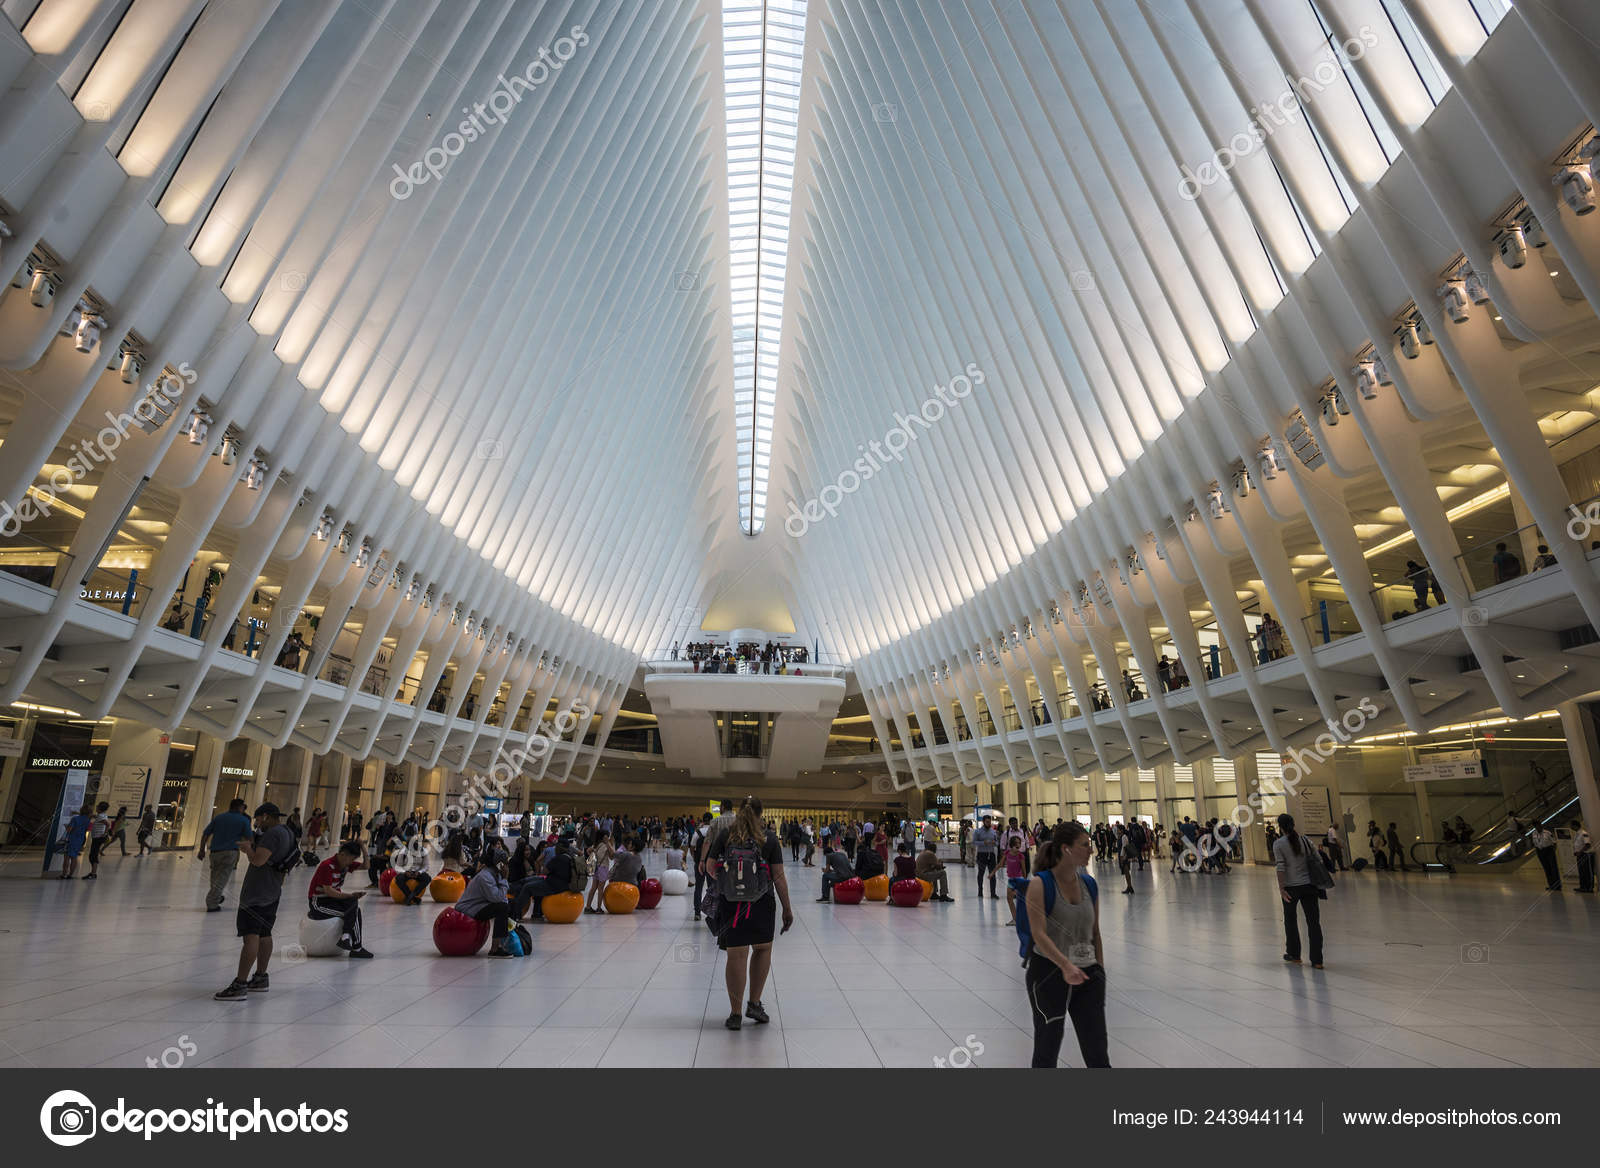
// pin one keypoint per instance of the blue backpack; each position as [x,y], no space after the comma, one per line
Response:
[1019,885]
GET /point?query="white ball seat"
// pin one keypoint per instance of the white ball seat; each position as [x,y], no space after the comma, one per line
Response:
[674,882]
[320,938]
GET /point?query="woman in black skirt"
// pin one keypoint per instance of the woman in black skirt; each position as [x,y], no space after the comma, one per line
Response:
[753,858]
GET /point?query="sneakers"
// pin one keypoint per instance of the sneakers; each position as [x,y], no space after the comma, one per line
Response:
[755,1012]
[734,1022]
[822,900]
[234,991]
[258,984]
[360,953]
[92,876]
[214,908]
[1291,960]
[343,942]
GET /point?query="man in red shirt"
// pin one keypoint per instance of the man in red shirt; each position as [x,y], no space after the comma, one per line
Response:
[328,898]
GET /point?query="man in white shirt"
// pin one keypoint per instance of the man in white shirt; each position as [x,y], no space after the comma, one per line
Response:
[1583,852]
[1544,846]
[1335,852]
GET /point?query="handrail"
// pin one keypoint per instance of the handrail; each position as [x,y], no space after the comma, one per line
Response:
[803,669]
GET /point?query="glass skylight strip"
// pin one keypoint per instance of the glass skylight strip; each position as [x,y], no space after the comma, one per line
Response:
[763,44]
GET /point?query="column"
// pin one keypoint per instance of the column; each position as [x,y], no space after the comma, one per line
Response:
[1527,534]
[1128,788]
[257,758]
[1253,839]
[11,773]
[133,745]
[336,808]
[308,762]
[411,791]
[1205,786]
[1097,796]
[1166,794]
[1584,750]
[371,788]
[209,748]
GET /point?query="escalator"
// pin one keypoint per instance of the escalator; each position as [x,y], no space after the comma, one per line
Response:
[1508,841]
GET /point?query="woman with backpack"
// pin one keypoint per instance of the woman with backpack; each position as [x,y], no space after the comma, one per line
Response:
[1298,883]
[746,861]
[1066,975]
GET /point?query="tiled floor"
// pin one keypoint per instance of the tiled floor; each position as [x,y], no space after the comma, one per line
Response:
[1421,972]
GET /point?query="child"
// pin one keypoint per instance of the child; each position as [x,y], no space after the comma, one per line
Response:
[905,867]
[1013,862]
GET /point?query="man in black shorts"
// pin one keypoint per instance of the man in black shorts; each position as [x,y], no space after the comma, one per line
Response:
[269,856]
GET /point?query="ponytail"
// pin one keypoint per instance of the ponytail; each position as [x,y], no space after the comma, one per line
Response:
[1286,827]
[747,824]
[1053,848]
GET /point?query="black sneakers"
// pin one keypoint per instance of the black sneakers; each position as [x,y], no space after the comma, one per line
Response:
[734,1022]
[234,991]
[258,984]
[360,953]
[755,1012]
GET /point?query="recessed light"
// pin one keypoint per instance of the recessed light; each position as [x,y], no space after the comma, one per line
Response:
[1497,318]
[1522,677]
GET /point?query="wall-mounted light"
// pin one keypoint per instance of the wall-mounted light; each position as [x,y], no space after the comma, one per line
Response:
[86,328]
[197,427]
[1533,231]
[325,527]
[130,367]
[255,474]
[1453,299]
[1366,379]
[1477,289]
[412,588]
[1513,245]
[41,289]
[1268,456]
[363,554]
[228,450]
[1576,185]
[1219,505]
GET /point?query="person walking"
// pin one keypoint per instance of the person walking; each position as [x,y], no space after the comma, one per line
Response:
[99,837]
[1297,864]
[986,847]
[1375,844]
[1583,853]
[600,865]
[1397,855]
[224,832]
[747,864]
[1335,851]
[147,827]
[1066,960]
[119,829]
[1544,846]
[270,853]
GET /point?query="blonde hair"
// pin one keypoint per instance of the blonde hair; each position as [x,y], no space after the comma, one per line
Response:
[747,823]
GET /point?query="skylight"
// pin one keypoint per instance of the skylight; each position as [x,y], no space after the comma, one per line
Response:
[763,43]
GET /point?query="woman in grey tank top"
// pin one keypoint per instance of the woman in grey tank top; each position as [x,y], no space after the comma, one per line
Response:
[1065,968]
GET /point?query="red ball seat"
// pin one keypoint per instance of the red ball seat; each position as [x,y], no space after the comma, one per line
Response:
[455,934]
[649,893]
[384,880]
[849,891]
[906,893]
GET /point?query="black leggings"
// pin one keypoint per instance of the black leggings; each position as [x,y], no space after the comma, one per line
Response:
[500,914]
[412,886]
[1054,1001]
[1304,895]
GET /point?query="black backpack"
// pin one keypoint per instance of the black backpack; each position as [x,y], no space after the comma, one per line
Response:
[289,862]
[745,875]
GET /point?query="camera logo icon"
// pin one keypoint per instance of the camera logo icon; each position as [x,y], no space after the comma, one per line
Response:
[1475,953]
[886,111]
[293,281]
[687,281]
[491,449]
[686,954]
[1476,616]
[68,1118]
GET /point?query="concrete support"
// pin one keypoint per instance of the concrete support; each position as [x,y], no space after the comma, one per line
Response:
[258,757]
[132,744]
[336,809]
[1585,751]
[1097,796]
[11,772]
[412,771]
[208,751]
[308,763]
[1252,839]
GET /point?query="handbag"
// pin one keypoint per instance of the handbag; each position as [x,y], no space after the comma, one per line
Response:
[1321,878]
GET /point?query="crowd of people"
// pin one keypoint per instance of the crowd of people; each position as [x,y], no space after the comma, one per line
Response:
[745,657]
[741,888]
